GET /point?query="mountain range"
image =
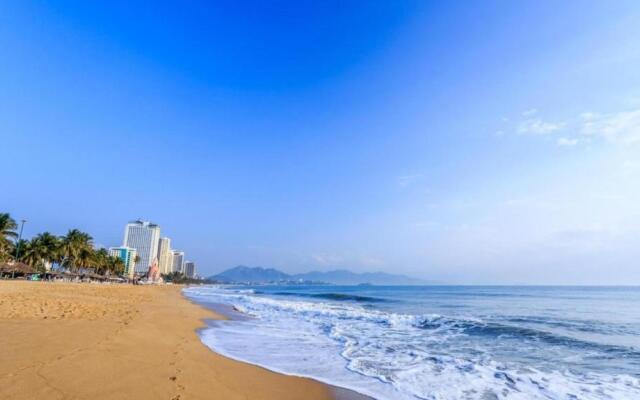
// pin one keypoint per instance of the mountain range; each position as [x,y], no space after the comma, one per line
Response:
[243,274]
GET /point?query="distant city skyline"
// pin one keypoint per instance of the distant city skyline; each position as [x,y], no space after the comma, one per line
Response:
[143,240]
[475,142]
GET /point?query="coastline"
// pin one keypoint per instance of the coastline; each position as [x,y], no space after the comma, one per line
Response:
[68,340]
[228,312]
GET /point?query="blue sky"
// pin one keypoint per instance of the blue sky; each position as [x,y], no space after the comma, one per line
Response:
[475,142]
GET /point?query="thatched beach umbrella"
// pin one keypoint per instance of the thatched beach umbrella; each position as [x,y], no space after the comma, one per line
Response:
[17,268]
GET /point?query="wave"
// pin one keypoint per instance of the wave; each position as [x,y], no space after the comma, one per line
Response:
[587,326]
[428,356]
[332,296]
[492,330]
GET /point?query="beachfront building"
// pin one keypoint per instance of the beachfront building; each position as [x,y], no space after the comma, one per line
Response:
[128,257]
[143,236]
[190,269]
[165,256]
[178,261]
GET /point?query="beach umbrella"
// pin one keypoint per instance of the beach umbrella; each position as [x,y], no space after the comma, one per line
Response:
[17,268]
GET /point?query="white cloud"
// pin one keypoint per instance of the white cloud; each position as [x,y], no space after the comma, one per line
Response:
[622,127]
[536,126]
[567,142]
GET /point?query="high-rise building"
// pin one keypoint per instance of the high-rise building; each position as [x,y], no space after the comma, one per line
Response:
[143,236]
[165,257]
[178,261]
[128,257]
[190,269]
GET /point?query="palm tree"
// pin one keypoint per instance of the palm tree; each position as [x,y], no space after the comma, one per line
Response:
[5,249]
[43,249]
[101,261]
[30,253]
[76,249]
[115,265]
[8,233]
[86,258]
[51,247]
[8,226]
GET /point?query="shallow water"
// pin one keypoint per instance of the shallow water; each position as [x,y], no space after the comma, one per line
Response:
[439,342]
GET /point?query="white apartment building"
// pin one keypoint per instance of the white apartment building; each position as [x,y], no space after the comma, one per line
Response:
[165,256]
[178,261]
[144,237]
[190,269]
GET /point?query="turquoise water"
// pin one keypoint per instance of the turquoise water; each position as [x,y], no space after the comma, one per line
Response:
[440,342]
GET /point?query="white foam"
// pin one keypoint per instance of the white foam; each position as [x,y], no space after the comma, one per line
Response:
[385,355]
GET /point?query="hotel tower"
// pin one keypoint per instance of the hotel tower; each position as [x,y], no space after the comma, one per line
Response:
[190,269]
[165,257]
[143,236]
[178,261]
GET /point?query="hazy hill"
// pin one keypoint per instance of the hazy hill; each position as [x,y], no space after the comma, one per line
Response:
[345,277]
[338,277]
[250,274]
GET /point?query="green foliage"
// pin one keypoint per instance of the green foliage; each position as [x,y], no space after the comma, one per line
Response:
[115,265]
[178,277]
[8,226]
[43,249]
[73,251]
[77,248]
[8,235]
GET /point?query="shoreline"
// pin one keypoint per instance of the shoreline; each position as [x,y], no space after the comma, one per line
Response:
[228,312]
[73,340]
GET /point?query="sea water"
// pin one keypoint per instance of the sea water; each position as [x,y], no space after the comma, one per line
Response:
[439,342]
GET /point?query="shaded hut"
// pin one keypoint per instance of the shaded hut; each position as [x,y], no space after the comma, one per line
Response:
[16,269]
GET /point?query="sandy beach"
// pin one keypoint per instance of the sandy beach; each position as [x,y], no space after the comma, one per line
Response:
[90,341]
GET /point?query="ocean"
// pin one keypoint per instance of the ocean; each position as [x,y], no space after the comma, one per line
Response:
[438,342]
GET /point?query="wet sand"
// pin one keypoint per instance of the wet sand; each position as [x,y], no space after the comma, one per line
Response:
[229,312]
[90,341]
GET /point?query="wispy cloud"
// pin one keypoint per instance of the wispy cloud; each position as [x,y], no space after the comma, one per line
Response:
[327,259]
[536,126]
[567,142]
[620,128]
[407,180]
[348,260]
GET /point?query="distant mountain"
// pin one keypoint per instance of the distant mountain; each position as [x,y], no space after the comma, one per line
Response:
[242,274]
[250,274]
[344,277]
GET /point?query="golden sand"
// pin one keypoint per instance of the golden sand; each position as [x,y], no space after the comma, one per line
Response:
[89,341]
